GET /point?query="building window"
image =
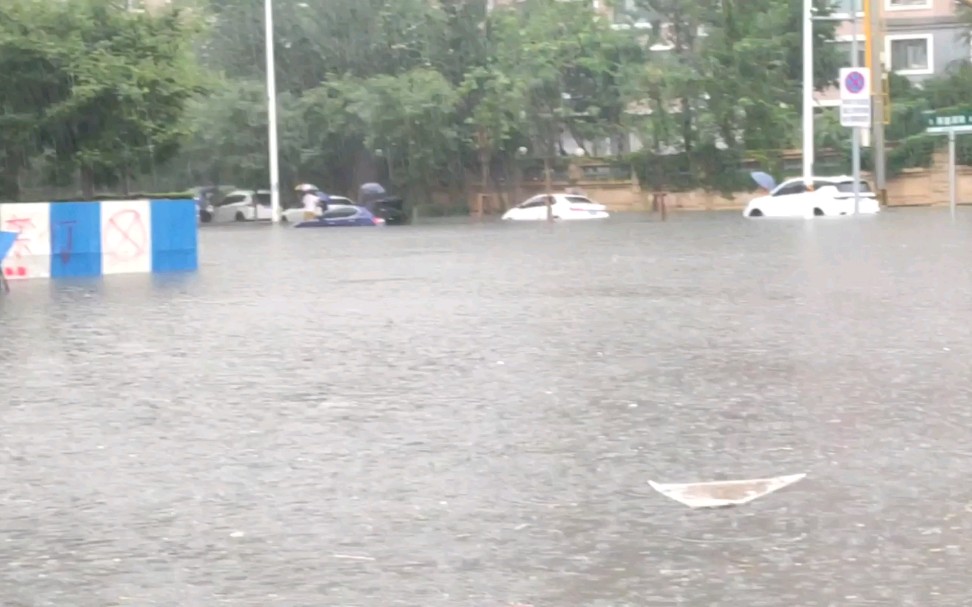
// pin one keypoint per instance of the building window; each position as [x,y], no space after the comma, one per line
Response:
[844,52]
[843,8]
[907,5]
[910,55]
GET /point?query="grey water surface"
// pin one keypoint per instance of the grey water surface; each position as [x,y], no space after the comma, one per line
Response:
[468,415]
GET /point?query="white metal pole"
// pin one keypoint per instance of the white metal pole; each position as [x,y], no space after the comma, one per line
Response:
[856,149]
[952,185]
[808,91]
[272,114]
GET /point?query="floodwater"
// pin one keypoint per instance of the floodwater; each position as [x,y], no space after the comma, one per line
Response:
[468,415]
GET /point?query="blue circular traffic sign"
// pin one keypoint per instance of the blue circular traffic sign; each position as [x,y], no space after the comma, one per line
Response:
[854,83]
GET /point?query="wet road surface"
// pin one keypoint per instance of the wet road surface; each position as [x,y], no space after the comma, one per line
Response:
[468,415]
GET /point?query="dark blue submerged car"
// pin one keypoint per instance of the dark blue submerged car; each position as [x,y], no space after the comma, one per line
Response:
[344,216]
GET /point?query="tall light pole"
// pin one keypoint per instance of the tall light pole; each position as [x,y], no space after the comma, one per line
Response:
[856,145]
[272,114]
[808,92]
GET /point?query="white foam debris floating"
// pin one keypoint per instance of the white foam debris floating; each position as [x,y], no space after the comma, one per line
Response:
[720,494]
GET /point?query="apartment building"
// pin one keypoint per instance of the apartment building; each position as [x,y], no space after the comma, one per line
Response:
[923,38]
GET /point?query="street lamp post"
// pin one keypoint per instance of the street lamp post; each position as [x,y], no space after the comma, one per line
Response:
[808,92]
[272,114]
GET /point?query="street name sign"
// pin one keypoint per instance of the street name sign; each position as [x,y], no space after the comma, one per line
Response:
[949,121]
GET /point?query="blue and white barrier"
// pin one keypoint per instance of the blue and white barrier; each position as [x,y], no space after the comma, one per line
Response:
[72,239]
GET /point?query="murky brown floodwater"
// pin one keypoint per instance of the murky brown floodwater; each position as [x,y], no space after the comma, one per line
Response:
[474,412]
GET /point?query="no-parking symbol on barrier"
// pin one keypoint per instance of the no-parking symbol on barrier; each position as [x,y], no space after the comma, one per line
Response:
[125,235]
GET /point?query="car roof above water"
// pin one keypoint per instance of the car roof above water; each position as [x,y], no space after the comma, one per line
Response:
[831,180]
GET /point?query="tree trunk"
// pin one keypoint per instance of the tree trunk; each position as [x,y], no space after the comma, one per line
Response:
[547,184]
[10,180]
[687,135]
[484,174]
[517,183]
[684,34]
[87,183]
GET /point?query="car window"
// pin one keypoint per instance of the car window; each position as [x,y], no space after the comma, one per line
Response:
[580,200]
[341,200]
[231,200]
[340,213]
[263,199]
[536,201]
[848,187]
[797,187]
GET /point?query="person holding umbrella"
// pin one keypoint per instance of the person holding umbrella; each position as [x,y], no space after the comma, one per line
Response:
[312,199]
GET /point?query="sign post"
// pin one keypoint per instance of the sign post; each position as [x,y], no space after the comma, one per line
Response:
[952,123]
[855,112]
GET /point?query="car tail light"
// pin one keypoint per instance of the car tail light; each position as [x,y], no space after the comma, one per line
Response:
[377,221]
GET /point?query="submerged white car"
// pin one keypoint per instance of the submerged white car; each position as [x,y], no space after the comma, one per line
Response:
[242,205]
[830,196]
[565,207]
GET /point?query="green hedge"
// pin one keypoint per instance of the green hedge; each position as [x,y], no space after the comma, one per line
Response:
[133,196]
[706,167]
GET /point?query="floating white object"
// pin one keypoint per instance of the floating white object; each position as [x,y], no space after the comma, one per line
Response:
[719,494]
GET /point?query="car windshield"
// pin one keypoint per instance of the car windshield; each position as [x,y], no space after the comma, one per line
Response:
[536,201]
[231,200]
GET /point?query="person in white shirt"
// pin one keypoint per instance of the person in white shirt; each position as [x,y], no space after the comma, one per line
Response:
[309,199]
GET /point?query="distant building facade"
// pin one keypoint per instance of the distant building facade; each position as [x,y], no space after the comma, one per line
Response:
[922,38]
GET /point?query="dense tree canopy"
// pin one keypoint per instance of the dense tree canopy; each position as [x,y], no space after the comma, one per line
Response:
[415,92]
[92,88]
[428,89]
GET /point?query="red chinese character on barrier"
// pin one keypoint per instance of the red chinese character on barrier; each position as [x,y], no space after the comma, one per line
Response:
[15,264]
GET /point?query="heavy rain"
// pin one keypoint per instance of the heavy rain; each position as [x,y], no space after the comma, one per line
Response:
[473,303]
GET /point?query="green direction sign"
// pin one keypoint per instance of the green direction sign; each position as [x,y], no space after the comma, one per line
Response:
[944,121]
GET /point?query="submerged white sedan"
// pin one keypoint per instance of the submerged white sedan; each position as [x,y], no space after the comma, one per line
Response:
[567,207]
[829,196]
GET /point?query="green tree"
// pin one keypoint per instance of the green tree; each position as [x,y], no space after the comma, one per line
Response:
[722,78]
[108,88]
[568,66]
[315,41]
[228,141]
[411,118]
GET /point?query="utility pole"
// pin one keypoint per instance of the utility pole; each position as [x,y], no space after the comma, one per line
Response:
[808,143]
[874,39]
[272,114]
